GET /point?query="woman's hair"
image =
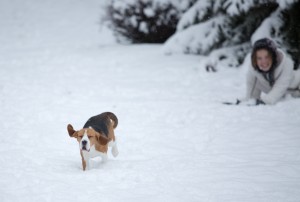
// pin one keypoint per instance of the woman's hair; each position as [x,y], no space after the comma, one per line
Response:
[264,44]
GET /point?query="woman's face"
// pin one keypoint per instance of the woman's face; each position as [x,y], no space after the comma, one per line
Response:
[263,60]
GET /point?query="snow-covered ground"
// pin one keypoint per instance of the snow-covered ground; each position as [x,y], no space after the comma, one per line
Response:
[177,142]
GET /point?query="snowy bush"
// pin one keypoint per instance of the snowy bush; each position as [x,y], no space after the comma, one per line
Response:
[145,21]
[291,34]
[214,27]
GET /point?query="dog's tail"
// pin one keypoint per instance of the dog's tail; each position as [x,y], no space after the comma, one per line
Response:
[113,117]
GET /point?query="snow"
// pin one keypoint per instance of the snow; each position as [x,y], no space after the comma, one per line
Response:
[285,4]
[186,41]
[143,27]
[151,5]
[225,57]
[176,141]
[196,13]
[149,12]
[269,28]
[235,7]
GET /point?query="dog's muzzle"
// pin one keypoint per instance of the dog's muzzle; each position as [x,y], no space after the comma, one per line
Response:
[84,145]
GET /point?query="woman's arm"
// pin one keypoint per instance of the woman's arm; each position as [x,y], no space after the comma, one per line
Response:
[252,90]
[281,83]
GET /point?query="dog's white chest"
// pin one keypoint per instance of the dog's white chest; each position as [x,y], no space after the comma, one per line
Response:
[93,153]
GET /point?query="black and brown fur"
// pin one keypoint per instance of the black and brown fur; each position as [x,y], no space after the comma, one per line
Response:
[100,130]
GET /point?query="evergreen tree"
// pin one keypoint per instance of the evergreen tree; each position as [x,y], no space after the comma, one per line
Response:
[145,21]
[225,29]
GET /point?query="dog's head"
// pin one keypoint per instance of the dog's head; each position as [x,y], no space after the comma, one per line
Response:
[87,137]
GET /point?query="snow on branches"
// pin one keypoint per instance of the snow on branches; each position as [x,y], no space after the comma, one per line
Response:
[205,27]
[214,28]
[145,21]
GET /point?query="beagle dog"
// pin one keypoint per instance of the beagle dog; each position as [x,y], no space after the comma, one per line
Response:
[95,137]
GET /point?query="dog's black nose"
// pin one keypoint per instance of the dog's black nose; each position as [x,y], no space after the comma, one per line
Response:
[84,142]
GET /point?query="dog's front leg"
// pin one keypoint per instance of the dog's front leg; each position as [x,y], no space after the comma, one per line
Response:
[85,162]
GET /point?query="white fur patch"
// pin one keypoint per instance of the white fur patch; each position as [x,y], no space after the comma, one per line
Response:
[85,138]
[92,154]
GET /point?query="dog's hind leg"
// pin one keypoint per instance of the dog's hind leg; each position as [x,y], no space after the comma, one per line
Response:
[114,148]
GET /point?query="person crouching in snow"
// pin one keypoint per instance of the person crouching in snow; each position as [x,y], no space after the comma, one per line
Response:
[271,74]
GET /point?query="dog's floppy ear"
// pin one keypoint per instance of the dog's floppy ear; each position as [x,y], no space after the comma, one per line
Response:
[102,139]
[71,131]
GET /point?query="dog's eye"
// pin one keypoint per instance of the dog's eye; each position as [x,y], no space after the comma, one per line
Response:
[89,137]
